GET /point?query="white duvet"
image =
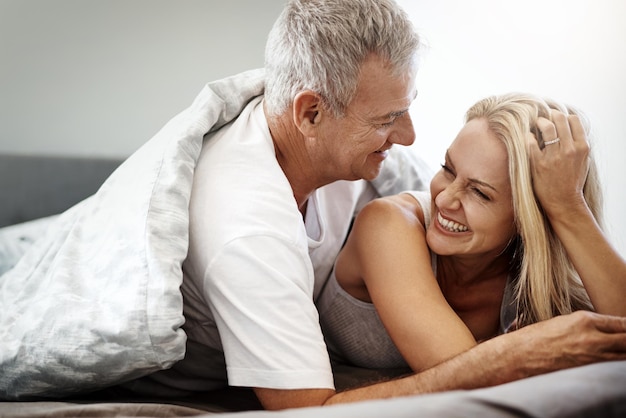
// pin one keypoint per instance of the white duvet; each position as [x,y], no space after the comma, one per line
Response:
[96,301]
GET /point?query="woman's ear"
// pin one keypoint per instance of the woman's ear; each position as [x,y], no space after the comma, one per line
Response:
[307,112]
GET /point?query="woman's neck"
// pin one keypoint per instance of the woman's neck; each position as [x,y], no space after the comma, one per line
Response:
[465,271]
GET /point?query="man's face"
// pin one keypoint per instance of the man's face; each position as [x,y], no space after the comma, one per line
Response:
[357,143]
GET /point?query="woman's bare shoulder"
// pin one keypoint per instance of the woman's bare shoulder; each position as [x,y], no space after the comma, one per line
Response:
[401,207]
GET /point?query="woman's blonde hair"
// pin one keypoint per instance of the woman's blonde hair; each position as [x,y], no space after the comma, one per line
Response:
[547,283]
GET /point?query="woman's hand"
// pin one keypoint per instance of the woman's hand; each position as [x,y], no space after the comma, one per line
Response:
[560,168]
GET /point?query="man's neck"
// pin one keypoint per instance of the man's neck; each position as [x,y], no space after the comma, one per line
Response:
[294,158]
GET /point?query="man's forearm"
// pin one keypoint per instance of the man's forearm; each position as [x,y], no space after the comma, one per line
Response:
[556,344]
[490,363]
[559,343]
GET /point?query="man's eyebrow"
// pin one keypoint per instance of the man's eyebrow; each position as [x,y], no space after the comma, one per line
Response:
[402,112]
[393,114]
[396,113]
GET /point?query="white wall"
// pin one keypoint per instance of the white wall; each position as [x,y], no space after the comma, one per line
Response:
[571,50]
[100,77]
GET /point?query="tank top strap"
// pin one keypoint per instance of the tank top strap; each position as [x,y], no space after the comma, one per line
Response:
[508,309]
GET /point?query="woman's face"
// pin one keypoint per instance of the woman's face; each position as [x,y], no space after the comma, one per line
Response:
[472,208]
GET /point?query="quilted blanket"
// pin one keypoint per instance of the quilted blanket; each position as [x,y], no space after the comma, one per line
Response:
[96,301]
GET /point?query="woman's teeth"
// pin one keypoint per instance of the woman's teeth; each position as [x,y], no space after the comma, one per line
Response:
[450,225]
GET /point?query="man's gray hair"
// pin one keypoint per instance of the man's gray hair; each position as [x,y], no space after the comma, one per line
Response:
[320,45]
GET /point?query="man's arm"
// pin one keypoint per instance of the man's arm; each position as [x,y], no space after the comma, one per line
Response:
[559,343]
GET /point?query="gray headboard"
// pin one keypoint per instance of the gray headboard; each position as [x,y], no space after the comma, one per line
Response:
[34,186]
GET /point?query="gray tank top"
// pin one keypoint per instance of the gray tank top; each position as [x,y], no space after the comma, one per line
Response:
[353,330]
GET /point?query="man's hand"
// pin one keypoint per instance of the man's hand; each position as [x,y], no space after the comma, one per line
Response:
[567,341]
[562,342]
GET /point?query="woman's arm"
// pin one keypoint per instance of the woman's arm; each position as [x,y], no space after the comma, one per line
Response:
[559,172]
[386,261]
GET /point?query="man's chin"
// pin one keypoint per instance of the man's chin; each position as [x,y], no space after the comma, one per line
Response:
[371,175]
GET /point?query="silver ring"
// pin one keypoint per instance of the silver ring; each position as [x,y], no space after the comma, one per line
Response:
[554,141]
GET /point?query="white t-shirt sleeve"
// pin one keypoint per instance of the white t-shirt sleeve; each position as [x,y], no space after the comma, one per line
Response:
[260,291]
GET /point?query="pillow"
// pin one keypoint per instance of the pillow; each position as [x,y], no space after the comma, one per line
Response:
[95,301]
[16,239]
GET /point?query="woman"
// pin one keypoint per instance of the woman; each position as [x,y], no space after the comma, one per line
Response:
[423,277]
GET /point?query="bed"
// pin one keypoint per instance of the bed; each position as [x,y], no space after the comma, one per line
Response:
[35,189]
[115,232]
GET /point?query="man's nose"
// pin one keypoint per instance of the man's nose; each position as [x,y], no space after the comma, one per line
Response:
[404,134]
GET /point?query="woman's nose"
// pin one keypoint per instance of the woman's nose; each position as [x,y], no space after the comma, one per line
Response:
[448,198]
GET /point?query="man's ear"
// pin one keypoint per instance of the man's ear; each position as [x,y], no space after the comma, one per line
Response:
[307,112]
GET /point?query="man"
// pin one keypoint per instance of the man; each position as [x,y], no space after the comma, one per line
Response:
[270,208]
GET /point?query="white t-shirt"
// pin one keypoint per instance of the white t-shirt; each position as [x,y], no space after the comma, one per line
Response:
[254,268]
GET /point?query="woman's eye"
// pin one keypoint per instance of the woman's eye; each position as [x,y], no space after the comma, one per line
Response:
[446,169]
[481,194]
